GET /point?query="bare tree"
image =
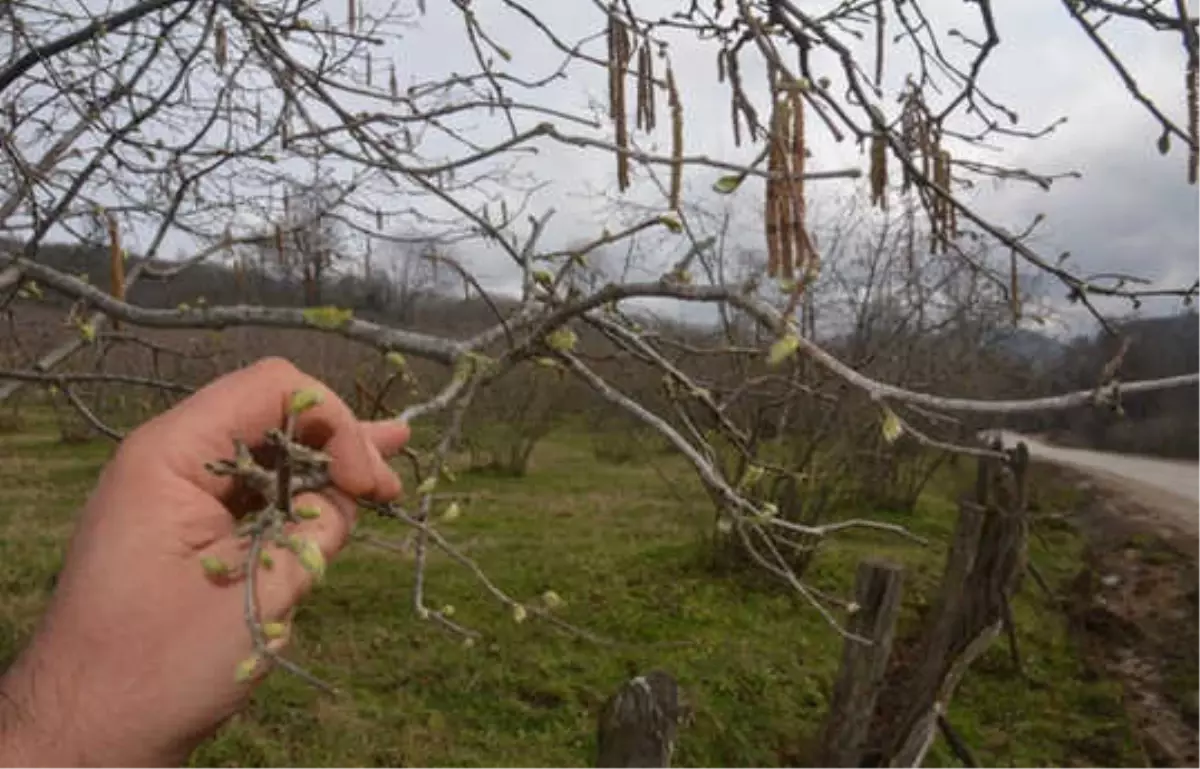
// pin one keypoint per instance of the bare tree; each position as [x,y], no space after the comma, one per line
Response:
[312,243]
[190,122]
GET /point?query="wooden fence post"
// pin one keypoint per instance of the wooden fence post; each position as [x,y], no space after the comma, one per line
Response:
[639,722]
[983,568]
[860,677]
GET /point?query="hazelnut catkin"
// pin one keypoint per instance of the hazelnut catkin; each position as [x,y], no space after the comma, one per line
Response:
[676,139]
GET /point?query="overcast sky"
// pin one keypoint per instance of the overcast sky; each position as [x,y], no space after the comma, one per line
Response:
[1132,211]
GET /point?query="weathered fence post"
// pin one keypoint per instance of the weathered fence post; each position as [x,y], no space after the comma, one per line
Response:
[639,722]
[860,677]
[983,568]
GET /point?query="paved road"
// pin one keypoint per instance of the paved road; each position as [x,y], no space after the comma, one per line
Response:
[1173,477]
[1169,486]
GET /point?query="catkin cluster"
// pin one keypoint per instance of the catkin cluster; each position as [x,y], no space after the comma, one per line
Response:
[1193,105]
[921,137]
[789,250]
[621,40]
[618,66]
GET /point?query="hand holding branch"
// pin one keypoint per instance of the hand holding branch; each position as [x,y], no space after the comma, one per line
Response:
[134,661]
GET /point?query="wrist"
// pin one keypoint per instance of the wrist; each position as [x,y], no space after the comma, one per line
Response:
[33,729]
[20,743]
[14,738]
[50,715]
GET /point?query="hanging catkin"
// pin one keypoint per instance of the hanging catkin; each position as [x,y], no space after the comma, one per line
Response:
[281,253]
[393,86]
[949,212]
[370,68]
[951,209]
[943,210]
[796,190]
[351,15]
[622,110]
[643,88]
[1193,104]
[911,133]
[618,62]
[736,117]
[676,139]
[931,169]
[651,106]
[610,37]
[936,233]
[731,64]
[880,25]
[781,135]
[927,140]
[879,169]
[790,250]
[651,114]
[777,255]
[770,210]
[220,45]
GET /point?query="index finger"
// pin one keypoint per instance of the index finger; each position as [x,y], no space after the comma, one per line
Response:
[244,405]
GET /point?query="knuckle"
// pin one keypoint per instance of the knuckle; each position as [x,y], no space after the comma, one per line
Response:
[140,441]
[275,365]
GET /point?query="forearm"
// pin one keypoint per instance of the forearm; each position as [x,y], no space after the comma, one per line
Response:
[50,716]
[40,724]
[22,737]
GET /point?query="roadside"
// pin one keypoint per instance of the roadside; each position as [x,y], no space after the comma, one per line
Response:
[1162,494]
[1133,606]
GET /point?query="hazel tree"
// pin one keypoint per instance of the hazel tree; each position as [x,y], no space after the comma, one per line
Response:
[147,126]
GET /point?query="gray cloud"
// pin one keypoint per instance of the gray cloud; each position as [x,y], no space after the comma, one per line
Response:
[1132,211]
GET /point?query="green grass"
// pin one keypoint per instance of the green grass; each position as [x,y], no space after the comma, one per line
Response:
[623,545]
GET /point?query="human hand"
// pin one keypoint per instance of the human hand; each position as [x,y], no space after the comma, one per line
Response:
[133,663]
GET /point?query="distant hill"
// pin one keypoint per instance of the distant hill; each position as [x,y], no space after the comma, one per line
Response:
[419,307]
[1165,423]
[1182,329]
[1029,346]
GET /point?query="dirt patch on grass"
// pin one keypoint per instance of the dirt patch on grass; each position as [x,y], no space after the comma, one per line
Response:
[1134,608]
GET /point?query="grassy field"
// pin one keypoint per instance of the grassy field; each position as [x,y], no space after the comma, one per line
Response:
[623,545]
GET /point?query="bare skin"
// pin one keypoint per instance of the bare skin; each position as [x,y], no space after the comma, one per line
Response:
[133,662]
